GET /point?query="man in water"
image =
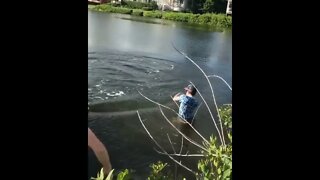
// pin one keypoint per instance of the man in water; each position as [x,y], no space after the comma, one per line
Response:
[100,151]
[187,103]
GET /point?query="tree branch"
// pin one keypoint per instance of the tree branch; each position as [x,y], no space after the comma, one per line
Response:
[171,143]
[214,99]
[181,155]
[164,151]
[181,144]
[205,102]
[222,80]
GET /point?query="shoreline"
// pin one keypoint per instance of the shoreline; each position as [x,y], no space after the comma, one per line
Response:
[217,21]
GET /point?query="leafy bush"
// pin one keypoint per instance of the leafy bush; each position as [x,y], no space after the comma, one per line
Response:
[139,5]
[213,20]
[100,176]
[111,9]
[122,175]
[204,18]
[137,13]
[220,20]
[153,14]
[122,11]
[182,17]
[194,18]
[217,163]
[158,173]
[226,116]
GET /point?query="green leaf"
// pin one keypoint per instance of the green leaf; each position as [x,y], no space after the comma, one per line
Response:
[226,174]
[110,175]
[202,167]
[123,175]
[219,171]
[227,161]
[101,173]
[215,163]
[230,136]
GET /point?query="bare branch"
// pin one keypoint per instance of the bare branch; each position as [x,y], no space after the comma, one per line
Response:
[176,114]
[214,99]
[156,102]
[164,151]
[191,155]
[196,113]
[205,102]
[182,155]
[171,143]
[181,144]
[190,140]
[222,80]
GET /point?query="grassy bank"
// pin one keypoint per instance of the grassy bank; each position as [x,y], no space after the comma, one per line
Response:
[214,20]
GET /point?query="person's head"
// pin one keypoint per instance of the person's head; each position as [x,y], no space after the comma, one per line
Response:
[191,89]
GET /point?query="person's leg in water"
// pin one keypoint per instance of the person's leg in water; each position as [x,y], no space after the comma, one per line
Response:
[185,129]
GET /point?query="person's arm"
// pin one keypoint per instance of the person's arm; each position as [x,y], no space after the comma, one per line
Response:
[100,151]
[177,97]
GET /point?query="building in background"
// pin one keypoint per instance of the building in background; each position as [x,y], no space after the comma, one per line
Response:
[229,8]
[99,1]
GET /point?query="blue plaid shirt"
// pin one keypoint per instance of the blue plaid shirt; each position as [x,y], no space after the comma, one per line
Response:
[187,107]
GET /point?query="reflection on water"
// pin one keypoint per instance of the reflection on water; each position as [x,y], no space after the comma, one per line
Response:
[127,55]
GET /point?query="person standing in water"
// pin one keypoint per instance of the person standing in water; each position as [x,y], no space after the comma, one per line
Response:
[188,103]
